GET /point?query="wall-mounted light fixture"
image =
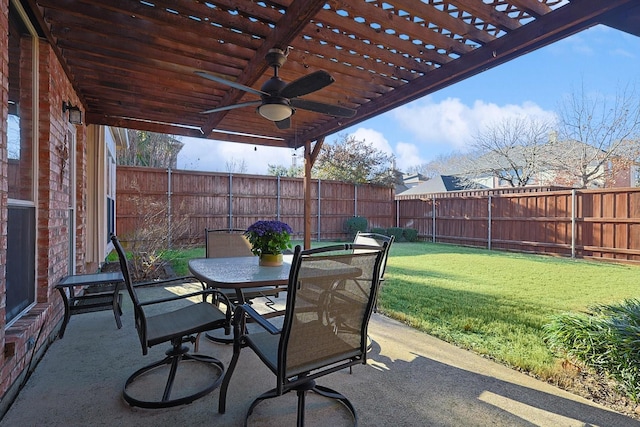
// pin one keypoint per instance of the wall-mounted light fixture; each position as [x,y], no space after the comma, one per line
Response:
[75,115]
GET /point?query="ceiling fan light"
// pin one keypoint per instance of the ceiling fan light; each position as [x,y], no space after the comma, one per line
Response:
[275,112]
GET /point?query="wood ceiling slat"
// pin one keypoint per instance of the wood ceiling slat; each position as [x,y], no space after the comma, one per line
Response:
[565,21]
[535,8]
[379,43]
[309,53]
[429,13]
[399,24]
[374,59]
[112,35]
[132,62]
[288,27]
[487,13]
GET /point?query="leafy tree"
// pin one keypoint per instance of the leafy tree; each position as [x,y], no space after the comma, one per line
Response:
[291,171]
[351,160]
[149,149]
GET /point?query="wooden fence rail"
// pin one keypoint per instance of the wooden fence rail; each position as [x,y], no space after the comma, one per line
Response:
[188,202]
[602,224]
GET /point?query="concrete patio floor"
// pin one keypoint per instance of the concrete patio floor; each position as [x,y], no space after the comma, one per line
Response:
[411,379]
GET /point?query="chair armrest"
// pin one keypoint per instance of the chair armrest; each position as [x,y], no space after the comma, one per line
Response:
[192,294]
[243,309]
[181,279]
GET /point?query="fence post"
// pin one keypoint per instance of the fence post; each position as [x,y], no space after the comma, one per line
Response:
[433,219]
[319,218]
[355,199]
[489,227]
[573,223]
[278,199]
[397,213]
[169,207]
[230,225]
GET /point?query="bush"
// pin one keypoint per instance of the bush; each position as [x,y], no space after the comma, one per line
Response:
[410,235]
[605,339]
[355,224]
[395,231]
[379,230]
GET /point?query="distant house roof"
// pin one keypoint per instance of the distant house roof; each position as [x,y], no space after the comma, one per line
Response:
[443,184]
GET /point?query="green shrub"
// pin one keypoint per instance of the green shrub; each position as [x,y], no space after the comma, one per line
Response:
[379,230]
[606,339]
[410,234]
[355,224]
[395,231]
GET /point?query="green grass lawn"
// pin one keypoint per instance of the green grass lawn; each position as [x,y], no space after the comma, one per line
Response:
[491,302]
[495,303]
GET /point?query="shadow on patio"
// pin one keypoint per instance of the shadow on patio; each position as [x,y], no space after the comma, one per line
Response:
[411,379]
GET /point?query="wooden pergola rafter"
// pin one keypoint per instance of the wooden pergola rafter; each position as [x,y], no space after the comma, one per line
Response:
[133,63]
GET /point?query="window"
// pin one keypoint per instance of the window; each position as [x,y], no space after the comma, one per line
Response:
[21,221]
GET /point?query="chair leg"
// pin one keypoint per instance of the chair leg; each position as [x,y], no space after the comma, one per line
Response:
[222,399]
[174,356]
[301,392]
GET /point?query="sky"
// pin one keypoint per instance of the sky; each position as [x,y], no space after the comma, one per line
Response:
[601,60]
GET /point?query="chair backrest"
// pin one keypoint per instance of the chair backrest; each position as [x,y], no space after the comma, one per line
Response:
[226,243]
[374,239]
[330,298]
[139,317]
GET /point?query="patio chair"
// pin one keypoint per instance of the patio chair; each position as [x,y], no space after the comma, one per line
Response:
[330,298]
[229,243]
[375,239]
[163,320]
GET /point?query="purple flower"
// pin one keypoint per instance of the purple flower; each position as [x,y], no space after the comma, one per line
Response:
[269,237]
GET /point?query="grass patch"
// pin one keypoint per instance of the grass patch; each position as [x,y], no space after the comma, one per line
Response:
[496,303]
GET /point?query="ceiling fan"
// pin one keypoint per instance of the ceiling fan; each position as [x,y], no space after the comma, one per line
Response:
[279,99]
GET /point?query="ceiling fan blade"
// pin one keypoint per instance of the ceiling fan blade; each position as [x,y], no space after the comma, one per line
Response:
[230,83]
[307,84]
[320,107]
[232,107]
[284,124]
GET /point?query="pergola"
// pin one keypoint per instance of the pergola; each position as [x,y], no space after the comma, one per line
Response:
[133,63]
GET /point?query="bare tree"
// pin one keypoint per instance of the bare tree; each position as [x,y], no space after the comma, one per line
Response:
[236,166]
[149,149]
[455,163]
[606,131]
[512,150]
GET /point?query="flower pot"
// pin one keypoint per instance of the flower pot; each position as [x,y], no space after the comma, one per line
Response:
[271,260]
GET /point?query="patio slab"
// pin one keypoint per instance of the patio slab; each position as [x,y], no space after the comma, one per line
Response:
[411,379]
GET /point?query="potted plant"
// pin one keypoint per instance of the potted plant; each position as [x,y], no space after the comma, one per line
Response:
[268,240]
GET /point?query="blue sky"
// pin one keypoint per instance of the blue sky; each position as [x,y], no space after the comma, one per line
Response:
[601,59]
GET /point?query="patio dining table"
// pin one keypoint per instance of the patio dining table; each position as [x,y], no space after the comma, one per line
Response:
[239,273]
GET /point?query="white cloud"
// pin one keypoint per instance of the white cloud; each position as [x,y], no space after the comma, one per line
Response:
[213,156]
[374,138]
[450,123]
[427,130]
[407,155]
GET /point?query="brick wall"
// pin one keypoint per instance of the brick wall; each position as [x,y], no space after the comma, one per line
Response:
[53,187]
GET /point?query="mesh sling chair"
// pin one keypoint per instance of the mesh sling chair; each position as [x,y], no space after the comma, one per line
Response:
[229,243]
[330,299]
[375,239]
[177,325]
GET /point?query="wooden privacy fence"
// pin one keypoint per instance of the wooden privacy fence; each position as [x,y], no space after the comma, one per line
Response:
[184,203]
[602,224]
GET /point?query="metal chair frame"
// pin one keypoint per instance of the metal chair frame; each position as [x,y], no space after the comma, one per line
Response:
[177,326]
[274,344]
